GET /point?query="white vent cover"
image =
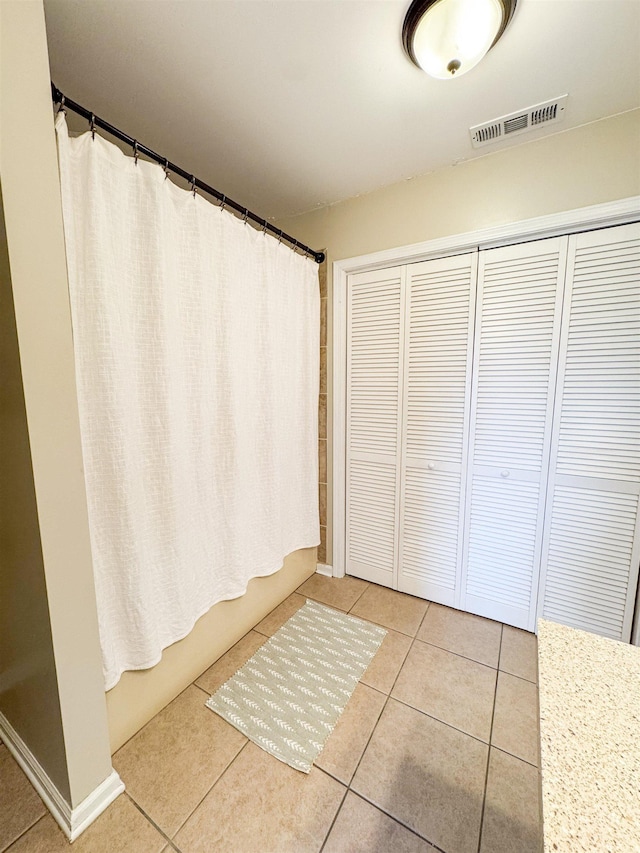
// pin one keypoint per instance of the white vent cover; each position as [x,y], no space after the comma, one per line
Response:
[523,121]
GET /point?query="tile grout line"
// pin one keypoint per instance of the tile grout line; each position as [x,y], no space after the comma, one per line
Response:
[151,821]
[486,777]
[209,790]
[135,734]
[517,757]
[398,821]
[359,597]
[466,657]
[346,610]
[450,725]
[25,831]
[519,677]
[335,817]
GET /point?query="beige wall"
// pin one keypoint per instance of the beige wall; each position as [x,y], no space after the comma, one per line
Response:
[593,164]
[27,666]
[138,696]
[46,561]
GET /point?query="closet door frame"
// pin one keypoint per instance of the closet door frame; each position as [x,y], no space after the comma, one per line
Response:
[582,219]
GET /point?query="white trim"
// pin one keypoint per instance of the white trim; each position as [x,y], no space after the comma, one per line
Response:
[72,821]
[322,569]
[553,225]
[339,408]
[635,633]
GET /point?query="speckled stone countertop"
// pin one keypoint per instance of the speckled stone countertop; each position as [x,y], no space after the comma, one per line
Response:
[590,741]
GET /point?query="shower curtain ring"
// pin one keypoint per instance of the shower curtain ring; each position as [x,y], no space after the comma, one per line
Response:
[61,108]
[194,189]
[280,236]
[264,226]
[166,169]
[246,215]
[224,202]
[135,152]
[92,126]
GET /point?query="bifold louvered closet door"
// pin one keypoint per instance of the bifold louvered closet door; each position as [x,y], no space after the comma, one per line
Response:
[493,430]
[410,334]
[518,314]
[374,406]
[592,544]
[438,344]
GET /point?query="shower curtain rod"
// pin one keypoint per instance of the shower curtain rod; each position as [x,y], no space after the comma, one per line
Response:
[138,148]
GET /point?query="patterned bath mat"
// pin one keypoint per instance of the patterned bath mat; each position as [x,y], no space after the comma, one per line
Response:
[287,698]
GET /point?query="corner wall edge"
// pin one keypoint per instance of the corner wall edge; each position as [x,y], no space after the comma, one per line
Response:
[72,821]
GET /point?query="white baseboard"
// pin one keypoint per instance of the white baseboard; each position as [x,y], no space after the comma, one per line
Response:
[322,569]
[72,821]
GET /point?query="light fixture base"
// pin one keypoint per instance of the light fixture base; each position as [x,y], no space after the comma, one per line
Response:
[444,38]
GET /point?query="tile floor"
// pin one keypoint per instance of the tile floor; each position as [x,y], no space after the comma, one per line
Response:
[437,750]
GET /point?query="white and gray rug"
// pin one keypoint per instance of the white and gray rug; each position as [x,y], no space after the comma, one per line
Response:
[287,698]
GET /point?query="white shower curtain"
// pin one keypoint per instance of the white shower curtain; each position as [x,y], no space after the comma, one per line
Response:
[197,359]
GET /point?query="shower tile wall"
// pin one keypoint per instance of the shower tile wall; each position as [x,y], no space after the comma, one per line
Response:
[322,415]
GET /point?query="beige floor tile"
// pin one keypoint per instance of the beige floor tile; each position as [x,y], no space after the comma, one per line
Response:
[462,633]
[120,829]
[385,666]
[170,765]
[227,666]
[519,653]
[391,609]
[451,688]
[261,804]
[426,775]
[341,593]
[361,828]
[512,810]
[20,806]
[347,741]
[280,615]
[515,720]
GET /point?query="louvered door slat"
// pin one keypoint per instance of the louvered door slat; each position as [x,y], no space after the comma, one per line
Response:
[439,308]
[374,386]
[591,548]
[515,354]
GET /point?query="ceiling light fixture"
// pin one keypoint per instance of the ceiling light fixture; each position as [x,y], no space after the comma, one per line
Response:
[446,38]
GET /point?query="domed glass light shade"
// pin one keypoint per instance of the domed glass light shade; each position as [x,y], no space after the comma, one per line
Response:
[447,38]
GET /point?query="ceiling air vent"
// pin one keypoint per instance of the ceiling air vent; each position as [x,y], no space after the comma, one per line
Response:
[523,121]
